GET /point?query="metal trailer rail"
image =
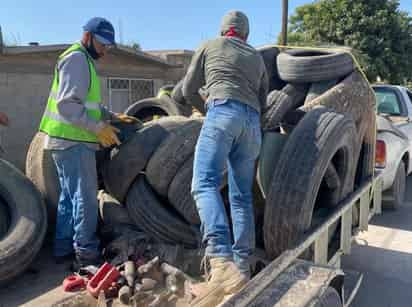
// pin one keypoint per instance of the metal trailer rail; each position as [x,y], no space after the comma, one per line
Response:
[367,199]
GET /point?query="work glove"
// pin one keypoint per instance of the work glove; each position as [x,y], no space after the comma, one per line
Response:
[126,118]
[107,136]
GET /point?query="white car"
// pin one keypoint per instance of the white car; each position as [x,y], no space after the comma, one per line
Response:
[394,141]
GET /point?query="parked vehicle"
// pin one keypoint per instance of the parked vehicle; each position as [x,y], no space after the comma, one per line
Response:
[394,141]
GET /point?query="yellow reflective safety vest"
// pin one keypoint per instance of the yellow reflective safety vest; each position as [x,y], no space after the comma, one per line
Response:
[57,126]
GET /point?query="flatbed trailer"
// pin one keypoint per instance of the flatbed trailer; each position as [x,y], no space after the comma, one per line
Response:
[290,281]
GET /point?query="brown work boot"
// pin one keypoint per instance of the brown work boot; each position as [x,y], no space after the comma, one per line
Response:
[225,279]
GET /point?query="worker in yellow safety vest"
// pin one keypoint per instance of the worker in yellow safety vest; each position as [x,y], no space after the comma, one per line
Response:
[76,122]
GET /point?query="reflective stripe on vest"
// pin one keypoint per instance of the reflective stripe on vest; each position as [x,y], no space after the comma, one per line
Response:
[56,125]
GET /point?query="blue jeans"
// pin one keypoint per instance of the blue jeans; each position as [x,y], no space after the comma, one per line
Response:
[77,211]
[230,135]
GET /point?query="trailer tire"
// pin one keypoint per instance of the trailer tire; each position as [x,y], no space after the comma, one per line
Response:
[303,66]
[321,137]
[279,103]
[28,222]
[175,150]
[130,158]
[330,298]
[41,170]
[161,223]
[397,192]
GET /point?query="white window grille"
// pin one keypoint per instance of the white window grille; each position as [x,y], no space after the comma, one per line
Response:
[129,89]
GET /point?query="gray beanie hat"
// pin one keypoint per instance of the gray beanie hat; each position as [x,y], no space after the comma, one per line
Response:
[238,21]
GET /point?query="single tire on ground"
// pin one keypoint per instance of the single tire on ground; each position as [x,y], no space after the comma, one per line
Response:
[160,222]
[150,108]
[298,187]
[28,222]
[306,66]
[330,298]
[129,159]
[395,196]
[41,170]
[175,150]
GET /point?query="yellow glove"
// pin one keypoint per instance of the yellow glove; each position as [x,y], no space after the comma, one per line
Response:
[107,136]
[127,119]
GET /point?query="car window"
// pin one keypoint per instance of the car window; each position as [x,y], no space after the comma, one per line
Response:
[387,101]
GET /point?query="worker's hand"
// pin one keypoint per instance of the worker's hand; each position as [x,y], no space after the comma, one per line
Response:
[4,120]
[107,136]
[126,118]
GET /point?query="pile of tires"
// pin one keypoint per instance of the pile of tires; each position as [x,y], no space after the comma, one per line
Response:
[23,222]
[318,143]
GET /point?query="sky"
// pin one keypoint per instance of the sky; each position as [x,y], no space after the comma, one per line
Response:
[154,24]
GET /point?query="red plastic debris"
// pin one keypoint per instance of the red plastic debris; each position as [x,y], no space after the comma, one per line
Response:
[103,279]
[73,283]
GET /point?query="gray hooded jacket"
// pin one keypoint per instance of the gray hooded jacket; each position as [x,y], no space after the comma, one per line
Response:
[228,67]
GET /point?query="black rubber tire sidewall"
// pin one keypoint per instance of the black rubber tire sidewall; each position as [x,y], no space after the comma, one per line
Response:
[301,66]
[279,103]
[172,153]
[128,160]
[41,170]
[161,223]
[164,104]
[299,173]
[28,223]
[269,55]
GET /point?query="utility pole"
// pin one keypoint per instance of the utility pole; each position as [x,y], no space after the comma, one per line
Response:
[285,13]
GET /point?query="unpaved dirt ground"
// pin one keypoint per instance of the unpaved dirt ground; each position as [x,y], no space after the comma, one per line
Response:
[40,286]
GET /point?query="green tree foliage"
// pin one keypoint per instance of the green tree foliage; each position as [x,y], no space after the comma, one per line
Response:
[377,29]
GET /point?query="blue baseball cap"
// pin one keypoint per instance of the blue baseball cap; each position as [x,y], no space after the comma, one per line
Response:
[101,29]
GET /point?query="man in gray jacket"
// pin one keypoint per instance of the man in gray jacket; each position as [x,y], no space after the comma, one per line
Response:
[231,77]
